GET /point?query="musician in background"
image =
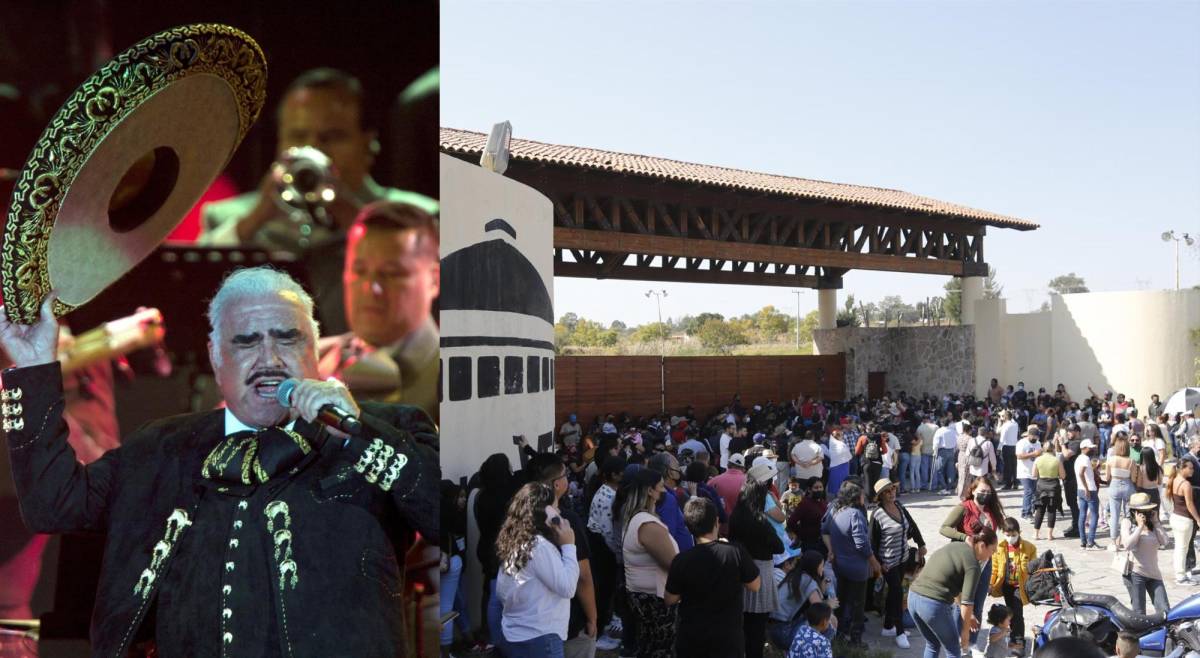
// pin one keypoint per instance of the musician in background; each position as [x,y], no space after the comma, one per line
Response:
[322,108]
[390,278]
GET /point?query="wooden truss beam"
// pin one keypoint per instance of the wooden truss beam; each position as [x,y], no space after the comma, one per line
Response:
[632,243]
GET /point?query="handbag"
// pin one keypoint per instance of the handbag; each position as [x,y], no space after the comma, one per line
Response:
[1122,562]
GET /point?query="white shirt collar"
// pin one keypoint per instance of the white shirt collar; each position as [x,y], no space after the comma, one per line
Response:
[233,425]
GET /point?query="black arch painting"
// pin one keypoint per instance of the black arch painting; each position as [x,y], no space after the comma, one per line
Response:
[494,276]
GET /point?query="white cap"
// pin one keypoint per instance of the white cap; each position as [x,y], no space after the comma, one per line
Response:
[736,459]
[1086,443]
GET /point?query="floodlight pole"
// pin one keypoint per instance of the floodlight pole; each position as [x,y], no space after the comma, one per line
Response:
[662,351]
[797,293]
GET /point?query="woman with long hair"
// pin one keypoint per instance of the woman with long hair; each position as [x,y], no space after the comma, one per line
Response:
[604,543]
[979,508]
[952,572]
[496,488]
[847,536]
[1149,476]
[647,549]
[1120,470]
[1142,535]
[750,527]
[538,574]
[1184,516]
[801,582]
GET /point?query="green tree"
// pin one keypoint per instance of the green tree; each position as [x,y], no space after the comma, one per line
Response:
[848,317]
[952,300]
[569,321]
[808,324]
[770,322]
[592,334]
[720,336]
[691,323]
[1066,284]
[617,325]
[991,288]
[652,332]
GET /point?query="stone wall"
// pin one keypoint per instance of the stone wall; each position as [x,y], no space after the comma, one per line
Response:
[917,360]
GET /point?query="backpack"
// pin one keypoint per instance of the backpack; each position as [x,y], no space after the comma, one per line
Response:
[976,457]
[871,452]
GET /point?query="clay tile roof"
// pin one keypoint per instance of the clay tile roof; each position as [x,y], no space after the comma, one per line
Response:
[472,143]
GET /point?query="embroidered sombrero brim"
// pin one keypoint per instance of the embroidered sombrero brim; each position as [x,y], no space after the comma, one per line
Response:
[122,162]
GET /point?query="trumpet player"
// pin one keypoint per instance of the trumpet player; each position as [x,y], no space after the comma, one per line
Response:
[321,109]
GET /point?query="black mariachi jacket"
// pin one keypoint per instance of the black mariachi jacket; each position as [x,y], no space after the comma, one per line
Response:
[339,586]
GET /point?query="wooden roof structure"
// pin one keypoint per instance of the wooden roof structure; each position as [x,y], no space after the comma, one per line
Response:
[625,216]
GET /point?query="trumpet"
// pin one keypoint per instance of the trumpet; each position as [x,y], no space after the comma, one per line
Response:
[111,339]
[304,183]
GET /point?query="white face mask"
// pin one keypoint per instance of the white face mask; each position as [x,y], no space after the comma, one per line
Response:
[1013,540]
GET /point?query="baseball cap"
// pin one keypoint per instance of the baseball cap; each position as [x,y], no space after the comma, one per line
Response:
[736,459]
[1086,443]
[762,471]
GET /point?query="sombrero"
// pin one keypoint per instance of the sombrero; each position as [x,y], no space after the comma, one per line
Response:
[122,162]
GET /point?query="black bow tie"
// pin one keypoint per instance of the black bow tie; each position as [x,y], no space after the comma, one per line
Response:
[253,457]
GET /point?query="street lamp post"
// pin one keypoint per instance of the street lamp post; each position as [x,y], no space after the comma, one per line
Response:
[1169,236]
[797,294]
[662,350]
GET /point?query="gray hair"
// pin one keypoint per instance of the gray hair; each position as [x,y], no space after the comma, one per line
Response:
[256,281]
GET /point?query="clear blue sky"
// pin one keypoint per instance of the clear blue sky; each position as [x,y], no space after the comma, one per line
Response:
[1081,116]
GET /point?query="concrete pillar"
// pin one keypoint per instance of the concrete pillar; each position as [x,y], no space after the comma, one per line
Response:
[827,308]
[972,291]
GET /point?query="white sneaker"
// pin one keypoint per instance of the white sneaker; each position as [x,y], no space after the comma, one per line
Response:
[888,632]
[1112,548]
[902,641]
[606,643]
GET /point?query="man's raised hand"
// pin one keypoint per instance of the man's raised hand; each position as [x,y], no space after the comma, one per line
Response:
[35,344]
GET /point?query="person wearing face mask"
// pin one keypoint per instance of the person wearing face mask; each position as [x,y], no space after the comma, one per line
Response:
[1010,570]
[980,508]
[805,520]
[891,528]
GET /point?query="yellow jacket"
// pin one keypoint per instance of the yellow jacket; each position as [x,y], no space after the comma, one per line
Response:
[1025,553]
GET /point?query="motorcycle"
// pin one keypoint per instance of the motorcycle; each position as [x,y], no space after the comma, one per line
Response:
[1100,617]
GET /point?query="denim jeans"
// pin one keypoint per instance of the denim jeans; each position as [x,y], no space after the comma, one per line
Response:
[1119,492]
[905,471]
[1104,432]
[495,613]
[549,645]
[924,481]
[1028,488]
[1087,534]
[981,592]
[1138,586]
[938,624]
[448,588]
[949,471]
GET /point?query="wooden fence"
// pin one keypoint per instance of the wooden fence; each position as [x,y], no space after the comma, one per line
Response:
[596,385]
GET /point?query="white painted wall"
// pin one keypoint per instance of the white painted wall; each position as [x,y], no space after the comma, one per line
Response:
[1135,342]
[475,428]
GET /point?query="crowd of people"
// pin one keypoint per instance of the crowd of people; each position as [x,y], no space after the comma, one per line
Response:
[782,523]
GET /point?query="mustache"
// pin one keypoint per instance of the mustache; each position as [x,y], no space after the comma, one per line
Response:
[262,374]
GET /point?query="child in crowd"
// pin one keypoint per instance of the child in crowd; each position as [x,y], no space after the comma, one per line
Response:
[997,644]
[810,640]
[792,496]
[1127,645]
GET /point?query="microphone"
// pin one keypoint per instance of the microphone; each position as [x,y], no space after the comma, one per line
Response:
[330,415]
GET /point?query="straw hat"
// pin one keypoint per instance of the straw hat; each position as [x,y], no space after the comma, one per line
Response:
[124,160]
[1141,501]
[882,485]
